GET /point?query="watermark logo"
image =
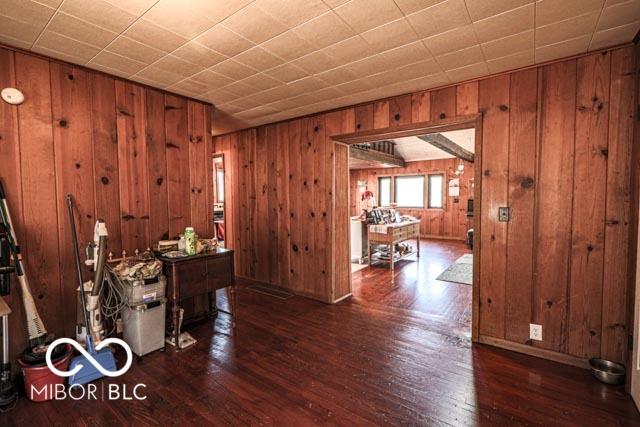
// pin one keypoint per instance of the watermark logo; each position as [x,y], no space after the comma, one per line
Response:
[90,358]
[90,391]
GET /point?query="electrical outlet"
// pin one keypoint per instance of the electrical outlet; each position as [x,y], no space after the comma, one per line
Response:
[535,332]
[503,214]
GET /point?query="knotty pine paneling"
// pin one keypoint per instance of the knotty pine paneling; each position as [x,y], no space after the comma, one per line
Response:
[105,141]
[556,156]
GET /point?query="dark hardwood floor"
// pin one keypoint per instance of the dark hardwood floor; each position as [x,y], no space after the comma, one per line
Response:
[359,362]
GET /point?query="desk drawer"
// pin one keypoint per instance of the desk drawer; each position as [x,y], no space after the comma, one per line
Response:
[192,279]
[219,272]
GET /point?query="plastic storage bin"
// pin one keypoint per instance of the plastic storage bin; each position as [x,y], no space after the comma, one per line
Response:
[144,326]
[144,291]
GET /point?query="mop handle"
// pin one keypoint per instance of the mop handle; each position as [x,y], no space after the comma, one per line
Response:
[74,239]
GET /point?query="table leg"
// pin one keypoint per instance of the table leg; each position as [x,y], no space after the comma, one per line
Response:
[391,247]
[418,245]
[176,323]
[231,295]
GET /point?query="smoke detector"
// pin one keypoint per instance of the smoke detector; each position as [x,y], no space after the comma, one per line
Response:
[12,96]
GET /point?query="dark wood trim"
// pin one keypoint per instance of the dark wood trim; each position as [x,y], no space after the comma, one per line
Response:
[535,351]
[248,281]
[413,129]
[477,215]
[376,156]
[440,141]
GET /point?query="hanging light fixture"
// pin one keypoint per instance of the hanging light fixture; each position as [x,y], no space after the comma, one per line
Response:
[460,170]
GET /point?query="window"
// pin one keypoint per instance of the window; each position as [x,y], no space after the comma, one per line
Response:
[220,185]
[436,190]
[410,191]
[384,191]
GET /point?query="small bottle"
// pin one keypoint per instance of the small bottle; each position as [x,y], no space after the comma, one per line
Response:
[190,241]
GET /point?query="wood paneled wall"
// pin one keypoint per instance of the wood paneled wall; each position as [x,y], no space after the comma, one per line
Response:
[450,222]
[556,148]
[133,156]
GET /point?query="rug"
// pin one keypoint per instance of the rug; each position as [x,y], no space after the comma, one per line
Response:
[460,271]
[357,267]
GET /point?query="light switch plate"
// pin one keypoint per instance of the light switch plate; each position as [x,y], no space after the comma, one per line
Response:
[503,213]
[535,332]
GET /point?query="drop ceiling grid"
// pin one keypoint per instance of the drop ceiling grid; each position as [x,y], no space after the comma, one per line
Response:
[360,50]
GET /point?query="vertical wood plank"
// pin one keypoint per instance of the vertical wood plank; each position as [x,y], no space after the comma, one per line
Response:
[522,183]
[11,179]
[380,114]
[400,111]
[283,177]
[132,166]
[274,232]
[618,206]
[554,203]
[177,142]
[209,175]
[364,117]
[37,165]
[467,99]
[105,157]
[73,152]
[587,234]
[261,226]
[420,107]
[198,164]
[494,103]
[157,164]
[295,187]
[443,103]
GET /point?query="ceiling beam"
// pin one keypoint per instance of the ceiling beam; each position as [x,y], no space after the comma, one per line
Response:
[445,144]
[362,153]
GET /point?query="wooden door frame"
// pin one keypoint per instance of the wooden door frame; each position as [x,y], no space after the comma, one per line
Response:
[433,126]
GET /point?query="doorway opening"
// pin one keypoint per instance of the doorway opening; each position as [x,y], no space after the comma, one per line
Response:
[413,217]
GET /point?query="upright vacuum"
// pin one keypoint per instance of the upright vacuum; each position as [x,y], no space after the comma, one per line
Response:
[8,392]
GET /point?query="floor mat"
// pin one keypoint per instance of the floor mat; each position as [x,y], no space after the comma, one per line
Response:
[267,290]
[460,271]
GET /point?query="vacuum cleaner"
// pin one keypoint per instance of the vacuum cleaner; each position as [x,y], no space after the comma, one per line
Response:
[39,339]
[8,391]
[103,357]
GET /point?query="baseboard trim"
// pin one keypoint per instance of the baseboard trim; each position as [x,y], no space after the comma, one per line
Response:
[250,281]
[542,353]
[342,298]
[435,237]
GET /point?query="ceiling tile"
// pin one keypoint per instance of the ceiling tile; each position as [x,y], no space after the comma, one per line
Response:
[614,36]
[117,62]
[241,89]
[327,93]
[324,30]
[66,45]
[156,74]
[109,70]
[198,54]
[26,33]
[512,22]
[180,19]
[461,58]
[315,62]
[335,3]
[562,49]
[468,72]
[349,50]
[137,7]
[69,55]
[178,66]
[288,46]
[481,9]
[223,40]
[517,60]
[452,40]
[150,34]
[130,48]
[254,24]
[286,73]
[363,15]
[619,14]
[337,75]
[293,12]
[390,35]
[567,29]
[440,18]
[8,39]
[217,10]
[405,55]
[258,59]
[548,11]
[51,3]
[212,79]
[509,45]
[76,29]
[100,13]
[26,11]
[308,84]
[233,69]
[220,95]
[411,6]
[261,81]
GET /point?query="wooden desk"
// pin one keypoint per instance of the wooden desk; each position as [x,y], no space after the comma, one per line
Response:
[196,275]
[391,234]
